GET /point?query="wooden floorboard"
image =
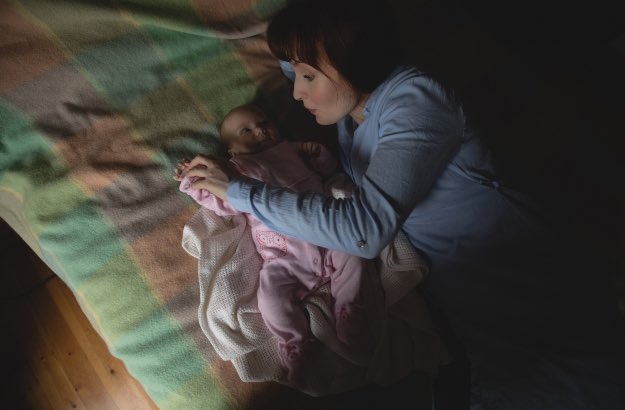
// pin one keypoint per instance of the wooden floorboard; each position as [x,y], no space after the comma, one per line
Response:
[52,356]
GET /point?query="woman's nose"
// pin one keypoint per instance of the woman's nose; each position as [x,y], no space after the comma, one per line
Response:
[298,93]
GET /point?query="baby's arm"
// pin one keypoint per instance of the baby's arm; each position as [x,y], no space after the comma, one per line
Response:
[202,196]
[321,160]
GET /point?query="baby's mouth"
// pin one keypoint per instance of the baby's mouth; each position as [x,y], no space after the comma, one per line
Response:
[266,140]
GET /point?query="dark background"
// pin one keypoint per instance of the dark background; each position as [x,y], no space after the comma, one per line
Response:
[544,83]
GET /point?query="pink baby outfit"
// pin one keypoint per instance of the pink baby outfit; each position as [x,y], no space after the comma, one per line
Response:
[292,268]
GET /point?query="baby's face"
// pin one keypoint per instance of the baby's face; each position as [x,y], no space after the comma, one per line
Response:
[248,130]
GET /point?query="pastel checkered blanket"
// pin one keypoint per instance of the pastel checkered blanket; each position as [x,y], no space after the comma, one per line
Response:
[98,101]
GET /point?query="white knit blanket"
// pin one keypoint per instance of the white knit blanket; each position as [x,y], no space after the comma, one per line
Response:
[229,266]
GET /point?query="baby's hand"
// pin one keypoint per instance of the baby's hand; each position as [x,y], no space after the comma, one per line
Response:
[310,149]
[180,168]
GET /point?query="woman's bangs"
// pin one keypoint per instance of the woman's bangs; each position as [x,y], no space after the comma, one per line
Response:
[290,43]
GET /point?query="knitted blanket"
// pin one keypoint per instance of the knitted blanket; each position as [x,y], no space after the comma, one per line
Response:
[228,268]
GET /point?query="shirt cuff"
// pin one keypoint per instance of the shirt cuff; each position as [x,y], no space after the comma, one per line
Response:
[239,193]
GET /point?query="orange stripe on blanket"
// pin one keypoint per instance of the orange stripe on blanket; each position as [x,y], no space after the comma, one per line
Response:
[229,18]
[26,49]
[166,267]
[98,154]
[260,64]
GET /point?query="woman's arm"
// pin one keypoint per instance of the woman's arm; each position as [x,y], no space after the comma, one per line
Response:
[420,131]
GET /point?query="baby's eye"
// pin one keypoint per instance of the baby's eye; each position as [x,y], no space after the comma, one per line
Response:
[246,130]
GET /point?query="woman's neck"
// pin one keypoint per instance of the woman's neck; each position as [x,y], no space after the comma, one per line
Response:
[357,113]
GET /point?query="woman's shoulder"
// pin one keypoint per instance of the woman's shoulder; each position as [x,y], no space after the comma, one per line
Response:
[404,73]
[404,77]
[408,89]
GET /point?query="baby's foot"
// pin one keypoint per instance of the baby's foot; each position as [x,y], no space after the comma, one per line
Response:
[296,357]
[352,329]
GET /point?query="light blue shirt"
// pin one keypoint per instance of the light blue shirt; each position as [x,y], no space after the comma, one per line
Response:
[417,167]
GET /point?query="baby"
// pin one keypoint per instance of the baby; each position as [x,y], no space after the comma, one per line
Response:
[291,268]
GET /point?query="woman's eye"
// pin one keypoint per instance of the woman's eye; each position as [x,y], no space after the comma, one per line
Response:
[308,77]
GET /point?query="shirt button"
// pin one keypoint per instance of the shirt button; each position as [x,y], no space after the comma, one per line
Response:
[361,244]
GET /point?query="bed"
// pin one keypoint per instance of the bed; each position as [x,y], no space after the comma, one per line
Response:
[98,101]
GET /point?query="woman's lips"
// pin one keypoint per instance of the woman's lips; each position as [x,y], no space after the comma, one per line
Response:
[312,111]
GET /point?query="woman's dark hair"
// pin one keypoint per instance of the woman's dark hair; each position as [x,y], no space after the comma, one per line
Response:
[355,37]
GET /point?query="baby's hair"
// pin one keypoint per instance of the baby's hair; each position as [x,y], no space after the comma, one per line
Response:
[232,111]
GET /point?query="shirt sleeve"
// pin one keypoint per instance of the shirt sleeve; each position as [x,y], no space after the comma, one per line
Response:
[420,131]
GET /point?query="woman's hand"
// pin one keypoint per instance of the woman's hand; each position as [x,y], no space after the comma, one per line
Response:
[212,174]
[180,168]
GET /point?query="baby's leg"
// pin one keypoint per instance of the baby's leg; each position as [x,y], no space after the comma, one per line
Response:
[279,301]
[346,275]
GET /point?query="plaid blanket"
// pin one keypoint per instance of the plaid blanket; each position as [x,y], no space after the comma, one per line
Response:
[98,101]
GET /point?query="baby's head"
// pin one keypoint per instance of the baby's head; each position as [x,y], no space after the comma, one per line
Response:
[246,130]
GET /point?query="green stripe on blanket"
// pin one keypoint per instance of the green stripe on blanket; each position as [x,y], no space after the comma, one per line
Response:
[83,241]
[125,68]
[32,171]
[184,51]
[15,126]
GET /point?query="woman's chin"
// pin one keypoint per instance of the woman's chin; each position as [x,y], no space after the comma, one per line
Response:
[323,121]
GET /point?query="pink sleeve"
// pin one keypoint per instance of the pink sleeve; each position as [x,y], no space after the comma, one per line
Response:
[206,199]
[324,164]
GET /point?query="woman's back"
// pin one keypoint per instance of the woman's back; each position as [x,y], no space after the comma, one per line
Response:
[499,273]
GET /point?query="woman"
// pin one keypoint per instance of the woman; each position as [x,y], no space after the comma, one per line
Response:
[405,143]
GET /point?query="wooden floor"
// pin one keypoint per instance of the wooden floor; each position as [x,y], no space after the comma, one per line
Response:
[51,356]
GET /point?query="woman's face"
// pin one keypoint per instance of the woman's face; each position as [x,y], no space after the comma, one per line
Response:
[327,96]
